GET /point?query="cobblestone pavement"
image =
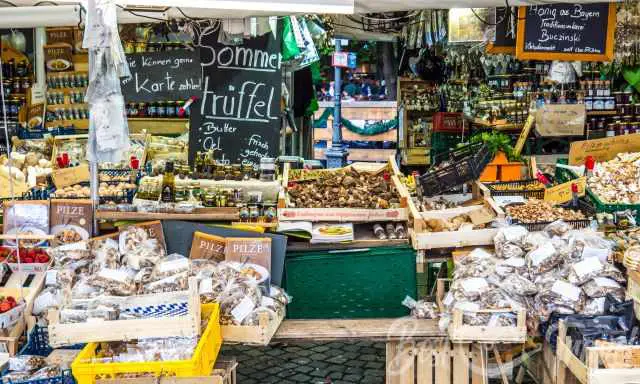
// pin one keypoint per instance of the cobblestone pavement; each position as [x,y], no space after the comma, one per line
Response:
[317,363]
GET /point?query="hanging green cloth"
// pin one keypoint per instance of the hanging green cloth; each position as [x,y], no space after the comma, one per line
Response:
[290,49]
[369,129]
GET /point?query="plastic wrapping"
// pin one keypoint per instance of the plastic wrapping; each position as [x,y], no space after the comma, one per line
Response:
[118,282]
[509,235]
[172,283]
[26,363]
[557,228]
[601,286]
[585,270]
[543,258]
[519,285]
[171,265]
[421,309]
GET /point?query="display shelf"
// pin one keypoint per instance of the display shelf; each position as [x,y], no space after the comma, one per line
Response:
[372,329]
[201,214]
[364,238]
[602,113]
[158,126]
[78,123]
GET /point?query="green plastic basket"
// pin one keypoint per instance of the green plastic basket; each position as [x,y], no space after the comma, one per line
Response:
[563,175]
[442,142]
[365,283]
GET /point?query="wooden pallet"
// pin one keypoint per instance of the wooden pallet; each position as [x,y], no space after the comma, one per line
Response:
[252,334]
[590,371]
[117,330]
[438,361]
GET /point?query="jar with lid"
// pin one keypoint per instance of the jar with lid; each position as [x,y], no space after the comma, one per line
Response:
[588,103]
[209,199]
[598,103]
[236,171]
[247,171]
[142,109]
[254,212]
[611,129]
[152,109]
[22,69]
[633,127]
[270,212]
[606,90]
[161,110]
[222,198]
[636,109]
[243,212]
[181,193]
[627,118]
[171,109]
[267,169]
[618,96]
[626,97]
[622,128]
[601,123]
[610,103]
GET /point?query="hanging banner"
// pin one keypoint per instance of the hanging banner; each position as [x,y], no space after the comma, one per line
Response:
[566,32]
[238,114]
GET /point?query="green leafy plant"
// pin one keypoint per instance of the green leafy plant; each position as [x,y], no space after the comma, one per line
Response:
[497,142]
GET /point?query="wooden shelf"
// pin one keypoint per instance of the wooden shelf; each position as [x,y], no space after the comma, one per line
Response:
[202,214]
[325,134]
[360,154]
[262,225]
[53,107]
[158,126]
[369,329]
[602,113]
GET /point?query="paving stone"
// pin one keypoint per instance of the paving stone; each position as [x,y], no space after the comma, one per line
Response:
[369,350]
[305,352]
[289,365]
[275,352]
[318,364]
[373,379]
[286,373]
[374,364]
[321,348]
[338,359]
[301,378]
[354,371]
[318,356]
[319,373]
[353,378]
[335,375]
[273,370]
[293,349]
[305,369]
[374,372]
[336,368]
[351,348]
[368,357]
[356,363]
[350,355]
[260,375]
[301,361]
[380,345]
[254,352]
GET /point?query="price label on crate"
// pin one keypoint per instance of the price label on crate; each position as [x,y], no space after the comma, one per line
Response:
[69,176]
[562,193]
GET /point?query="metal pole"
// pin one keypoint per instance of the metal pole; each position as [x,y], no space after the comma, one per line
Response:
[337,154]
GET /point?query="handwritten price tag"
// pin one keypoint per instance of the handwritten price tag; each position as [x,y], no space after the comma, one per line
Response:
[562,193]
[70,176]
[602,149]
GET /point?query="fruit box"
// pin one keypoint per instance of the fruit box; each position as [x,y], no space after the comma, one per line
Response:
[33,259]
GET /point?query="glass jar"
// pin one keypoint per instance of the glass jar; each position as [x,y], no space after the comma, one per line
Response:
[270,212]
[243,212]
[610,103]
[209,199]
[161,109]
[636,109]
[170,109]
[267,169]
[598,104]
[254,212]
[588,103]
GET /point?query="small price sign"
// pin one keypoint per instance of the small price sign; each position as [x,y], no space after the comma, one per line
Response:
[562,193]
[70,176]
[340,59]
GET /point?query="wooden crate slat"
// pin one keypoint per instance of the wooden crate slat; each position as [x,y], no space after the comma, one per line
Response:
[443,363]
[407,365]
[461,364]
[478,365]
[393,361]
[425,364]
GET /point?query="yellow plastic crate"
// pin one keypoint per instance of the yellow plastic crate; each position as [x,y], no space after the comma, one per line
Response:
[204,357]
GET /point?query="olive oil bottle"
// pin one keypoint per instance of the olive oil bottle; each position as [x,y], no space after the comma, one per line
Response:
[168,192]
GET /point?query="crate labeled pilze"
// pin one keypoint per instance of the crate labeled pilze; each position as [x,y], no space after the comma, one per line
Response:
[462,165]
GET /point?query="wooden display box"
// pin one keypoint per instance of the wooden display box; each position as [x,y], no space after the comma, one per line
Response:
[621,364]
[252,334]
[423,239]
[463,333]
[57,140]
[117,330]
[346,214]
[224,372]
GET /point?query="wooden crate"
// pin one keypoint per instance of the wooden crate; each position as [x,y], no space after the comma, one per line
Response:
[57,140]
[224,372]
[100,330]
[346,214]
[464,333]
[252,334]
[590,371]
[11,342]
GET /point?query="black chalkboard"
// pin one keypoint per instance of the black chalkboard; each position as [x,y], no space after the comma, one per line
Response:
[160,76]
[566,32]
[505,32]
[238,115]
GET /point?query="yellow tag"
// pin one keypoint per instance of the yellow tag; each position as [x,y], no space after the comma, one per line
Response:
[562,193]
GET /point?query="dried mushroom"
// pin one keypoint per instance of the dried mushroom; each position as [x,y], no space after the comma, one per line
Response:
[539,211]
[617,181]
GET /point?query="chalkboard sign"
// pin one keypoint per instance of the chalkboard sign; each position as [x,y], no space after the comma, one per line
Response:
[160,76]
[238,114]
[505,39]
[566,32]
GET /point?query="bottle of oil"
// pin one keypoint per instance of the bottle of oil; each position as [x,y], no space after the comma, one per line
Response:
[168,191]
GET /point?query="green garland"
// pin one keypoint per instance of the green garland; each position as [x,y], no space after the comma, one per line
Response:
[367,130]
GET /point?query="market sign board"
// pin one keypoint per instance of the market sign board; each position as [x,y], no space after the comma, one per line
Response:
[566,32]
[563,193]
[603,149]
[162,76]
[561,120]
[238,113]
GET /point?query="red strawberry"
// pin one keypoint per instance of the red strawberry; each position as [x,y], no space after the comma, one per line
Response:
[5,306]
[11,299]
[28,260]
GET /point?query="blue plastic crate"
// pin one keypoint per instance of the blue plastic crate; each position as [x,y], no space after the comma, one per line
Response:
[38,343]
